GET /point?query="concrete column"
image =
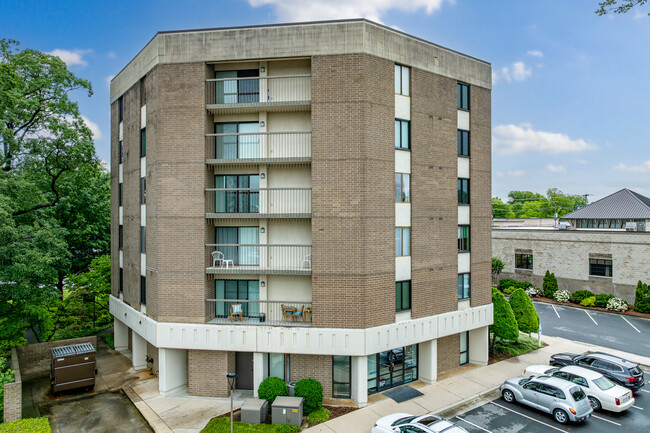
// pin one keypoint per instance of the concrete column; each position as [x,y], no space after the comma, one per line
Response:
[478,346]
[121,335]
[172,370]
[139,351]
[428,361]
[259,370]
[359,378]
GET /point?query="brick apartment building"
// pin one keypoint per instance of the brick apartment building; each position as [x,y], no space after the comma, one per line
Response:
[284,205]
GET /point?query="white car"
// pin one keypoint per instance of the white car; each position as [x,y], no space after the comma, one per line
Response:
[602,392]
[406,423]
[539,370]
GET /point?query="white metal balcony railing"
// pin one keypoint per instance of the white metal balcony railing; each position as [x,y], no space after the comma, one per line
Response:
[258,146]
[258,259]
[263,313]
[291,92]
[257,202]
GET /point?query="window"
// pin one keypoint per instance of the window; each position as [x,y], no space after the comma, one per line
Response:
[600,267]
[143,290]
[279,365]
[402,188]
[121,287]
[341,376]
[463,191]
[402,241]
[402,80]
[239,244]
[463,96]
[143,91]
[143,239]
[524,261]
[121,237]
[120,109]
[239,140]
[119,194]
[463,142]
[579,381]
[237,290]
[464,348]
[143,190]
[402,134]
[237,90]
[244,197]
[392,368]
[143,142]
[463,239]
[402,295]
[121,152]
[464,291]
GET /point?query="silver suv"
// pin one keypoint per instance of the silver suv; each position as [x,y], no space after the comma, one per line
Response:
[565,400]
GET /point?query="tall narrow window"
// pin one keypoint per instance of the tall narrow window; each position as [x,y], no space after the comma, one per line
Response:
[463,239]
[402,295]
[143,190]
[239,244]
[143,142]
[463,191]
[402,80]
[143,239]
[143,91]
[143,290]
[237,290]
[464,291]
[121,152]
[464,348]
[341,376]
[402,188]
[402,241]
[121,286]
[119,194]
[237,193]
[463,142]
[120,108]
[277,365]
[237,140]
[121,237]
[463,96]
[402,134]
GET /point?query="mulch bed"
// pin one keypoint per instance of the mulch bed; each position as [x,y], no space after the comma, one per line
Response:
[336,411]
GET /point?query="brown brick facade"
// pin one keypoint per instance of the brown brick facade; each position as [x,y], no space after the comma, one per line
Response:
[448,353]
[206,372]
[313,367]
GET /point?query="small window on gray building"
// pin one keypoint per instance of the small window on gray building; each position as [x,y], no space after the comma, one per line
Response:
[524,261]
[600,267]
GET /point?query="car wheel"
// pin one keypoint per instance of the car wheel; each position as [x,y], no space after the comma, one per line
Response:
[560,416]
[508,396]
[595,404]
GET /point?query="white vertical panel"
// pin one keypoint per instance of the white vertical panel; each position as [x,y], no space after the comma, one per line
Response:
[121,259]
[463,120]
[120,173]
[120,214]
[402,161]
[463,263]
[143,116]
[463,167]
[143,166]
[402,107]
[143,215]
[402,268]
[463,215]
[121,132]
[143,264]
[402,214]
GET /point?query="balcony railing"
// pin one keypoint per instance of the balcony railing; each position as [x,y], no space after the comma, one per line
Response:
[258,259]
[258,147]
[263,313]
[257,203]
[240,95]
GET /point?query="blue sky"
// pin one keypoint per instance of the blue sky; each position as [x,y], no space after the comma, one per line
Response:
[570,100]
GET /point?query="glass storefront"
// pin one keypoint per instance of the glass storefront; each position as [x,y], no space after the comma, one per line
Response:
[392,368]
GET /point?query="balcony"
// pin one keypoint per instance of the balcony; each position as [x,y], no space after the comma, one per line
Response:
[246,203]
[251,95]
[253,148]
[262,313]
[258,259]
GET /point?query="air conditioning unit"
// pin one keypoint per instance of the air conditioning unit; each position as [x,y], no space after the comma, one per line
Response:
[564,225]
[631,227]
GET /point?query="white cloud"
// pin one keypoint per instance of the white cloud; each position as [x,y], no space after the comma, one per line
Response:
[111,54]
[71,58]
[309,10]
[643,168]
[582,161]
[639,15]
[518,71]
[555,168]
[535,53]
[516,173]
[510,139]
[94,128]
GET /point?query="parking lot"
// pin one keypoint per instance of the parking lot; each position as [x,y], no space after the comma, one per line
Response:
[497,416]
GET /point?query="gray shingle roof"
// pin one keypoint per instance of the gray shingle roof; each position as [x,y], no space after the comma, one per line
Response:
[622,204]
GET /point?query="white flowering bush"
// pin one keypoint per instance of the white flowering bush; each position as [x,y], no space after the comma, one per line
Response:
[562,296]
[617,304]
[533,291]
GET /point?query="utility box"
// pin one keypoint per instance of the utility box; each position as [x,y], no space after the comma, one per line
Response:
[72,367]
[254,411]
[287,410]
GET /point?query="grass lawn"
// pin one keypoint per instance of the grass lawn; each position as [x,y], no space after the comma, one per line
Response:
[28,425]
[509,349]
[222,425]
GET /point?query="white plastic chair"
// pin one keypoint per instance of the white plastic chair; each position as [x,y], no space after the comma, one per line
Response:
[307,261]
[217,256]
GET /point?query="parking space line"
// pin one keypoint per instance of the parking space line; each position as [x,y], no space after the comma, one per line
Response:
[472,424]
[526,416]
[628,322]
[605,419]
[637,407]
[556,313]
[590,316]
[644,391]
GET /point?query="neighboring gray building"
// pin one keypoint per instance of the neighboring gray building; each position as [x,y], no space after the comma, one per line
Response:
[613,212]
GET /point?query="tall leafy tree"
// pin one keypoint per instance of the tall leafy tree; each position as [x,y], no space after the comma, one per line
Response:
[504,326]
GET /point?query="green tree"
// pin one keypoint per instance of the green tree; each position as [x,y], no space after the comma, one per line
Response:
[524,311]
[642,298]
[497,268]
[501,209]
[549,284]
[618,8]
[505,324]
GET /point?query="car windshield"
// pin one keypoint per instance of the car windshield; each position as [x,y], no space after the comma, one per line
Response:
[405,420]
[524,381]
[577,393]
[635,370]
[604,383]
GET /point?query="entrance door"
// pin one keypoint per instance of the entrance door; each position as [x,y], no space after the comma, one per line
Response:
[244,370]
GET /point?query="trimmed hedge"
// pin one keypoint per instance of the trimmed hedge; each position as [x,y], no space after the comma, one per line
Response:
[312,392]
[222,425]
[510,282]
[318,416]
[603,299]
[505,324]
[524,311]
[272,387]
[642,298]
[580,295]
[509,290]
[28,425]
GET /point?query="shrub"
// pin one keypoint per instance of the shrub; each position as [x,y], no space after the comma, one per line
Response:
[533,292]
[549,285]
[617,304]
[28,425]
[312,391]
[507,282]
[642,298]
[497,267]
[603,299]
[318,416]
[505,324]
[588,302]
[562,296]
[509,290]
[222,425]
[524,311]
[578,296]
[272,387]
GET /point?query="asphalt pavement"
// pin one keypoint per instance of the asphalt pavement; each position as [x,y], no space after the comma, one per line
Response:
[620,332]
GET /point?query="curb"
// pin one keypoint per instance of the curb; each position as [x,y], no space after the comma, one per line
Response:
[153,420]
[469,399]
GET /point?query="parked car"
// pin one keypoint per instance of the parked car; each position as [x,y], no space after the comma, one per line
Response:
[539,370]
[619,370]
[406,423]
[601,392]
[564,400]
